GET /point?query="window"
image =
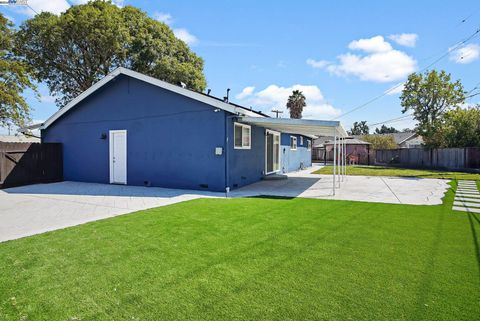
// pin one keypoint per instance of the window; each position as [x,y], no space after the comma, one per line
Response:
[242,136]
[309,144]
[293,143]
[301,140]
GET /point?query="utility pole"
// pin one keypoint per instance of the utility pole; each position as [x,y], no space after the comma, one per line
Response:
[277,111]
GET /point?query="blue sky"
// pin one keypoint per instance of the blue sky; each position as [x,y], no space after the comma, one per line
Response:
[340,53]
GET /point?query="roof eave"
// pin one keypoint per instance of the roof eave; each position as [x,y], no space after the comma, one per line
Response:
[153,81]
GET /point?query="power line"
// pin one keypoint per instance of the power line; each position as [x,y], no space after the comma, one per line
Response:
[391,120]
[468,17]
[455,47]
[411,115]
[32,8]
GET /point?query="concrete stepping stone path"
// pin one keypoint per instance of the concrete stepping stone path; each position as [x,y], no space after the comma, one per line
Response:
[467,197]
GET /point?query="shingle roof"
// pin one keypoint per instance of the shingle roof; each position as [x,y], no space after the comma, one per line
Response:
[213,101]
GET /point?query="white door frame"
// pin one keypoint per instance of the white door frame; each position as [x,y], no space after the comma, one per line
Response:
[110,154]
[268,131]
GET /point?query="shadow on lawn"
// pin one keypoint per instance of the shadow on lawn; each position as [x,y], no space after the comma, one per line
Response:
[473,217]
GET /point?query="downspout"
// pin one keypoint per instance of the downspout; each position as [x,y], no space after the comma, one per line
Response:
[227,147]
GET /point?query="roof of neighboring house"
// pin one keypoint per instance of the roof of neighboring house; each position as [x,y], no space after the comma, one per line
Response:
[207,99]
[399,138]
[18,139]
[328,140]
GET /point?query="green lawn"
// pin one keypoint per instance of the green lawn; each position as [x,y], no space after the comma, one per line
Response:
[394,171]
[251,259]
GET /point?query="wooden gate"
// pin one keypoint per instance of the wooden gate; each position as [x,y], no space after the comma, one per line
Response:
[29,163]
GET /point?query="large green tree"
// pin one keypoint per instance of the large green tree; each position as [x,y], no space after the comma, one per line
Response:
[429,96]
[359,128]
[386,130]
[380,141]
[461,127]
[72,51]
[14,80]
[296,102]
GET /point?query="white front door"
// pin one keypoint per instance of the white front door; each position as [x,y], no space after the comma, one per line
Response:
[118,156]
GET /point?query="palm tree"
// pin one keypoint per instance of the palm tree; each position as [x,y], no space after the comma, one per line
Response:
[296,103]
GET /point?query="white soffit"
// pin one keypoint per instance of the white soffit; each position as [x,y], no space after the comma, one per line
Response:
[307,127]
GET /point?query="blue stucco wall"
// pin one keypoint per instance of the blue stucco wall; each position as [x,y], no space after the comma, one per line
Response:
[246,166]
[171,139]
[291,159]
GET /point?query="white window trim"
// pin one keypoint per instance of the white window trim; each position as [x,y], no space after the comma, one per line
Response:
[301,140]
[296,143]
[249,137]
[309,144]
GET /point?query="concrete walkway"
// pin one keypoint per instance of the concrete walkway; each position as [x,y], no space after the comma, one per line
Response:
[467,197]
[39,208]
[379,189]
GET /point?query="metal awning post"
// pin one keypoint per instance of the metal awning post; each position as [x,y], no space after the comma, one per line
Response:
[334,158]
[341,160]
[344,158]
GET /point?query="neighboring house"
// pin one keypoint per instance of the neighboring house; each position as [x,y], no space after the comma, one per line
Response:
[404,139]
[133,129]
[408,140]
[357,150]
[18,139]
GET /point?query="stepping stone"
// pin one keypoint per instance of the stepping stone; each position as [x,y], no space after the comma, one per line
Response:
[469,188]
[464,199]
[466,209]
[468,194]
[466,204]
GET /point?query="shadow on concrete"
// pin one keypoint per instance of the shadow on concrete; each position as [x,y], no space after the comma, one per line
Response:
[95,189]
[294,186]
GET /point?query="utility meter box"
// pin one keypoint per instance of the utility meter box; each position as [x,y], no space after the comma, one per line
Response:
[218,151]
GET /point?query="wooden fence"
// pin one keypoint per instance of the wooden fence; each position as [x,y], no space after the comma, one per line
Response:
[29,163]
[448,158]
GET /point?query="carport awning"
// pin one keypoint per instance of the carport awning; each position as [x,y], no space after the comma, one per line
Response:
[307,127]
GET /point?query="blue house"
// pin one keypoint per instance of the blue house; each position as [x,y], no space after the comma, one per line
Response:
[133,129]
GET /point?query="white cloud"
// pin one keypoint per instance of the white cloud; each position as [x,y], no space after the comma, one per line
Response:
[465,54]
[274,96]
[247,91]
[380,63]
[180,33]
[405,39]
[374,44]
[53,6]
[185,35]
[47,99]
[9,18]
[317,63]
[395,90]
[163,17]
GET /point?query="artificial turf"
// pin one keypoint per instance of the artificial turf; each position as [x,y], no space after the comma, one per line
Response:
[251,259]
[364,170]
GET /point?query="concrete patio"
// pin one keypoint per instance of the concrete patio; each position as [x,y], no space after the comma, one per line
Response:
[35,209]
[395,190]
